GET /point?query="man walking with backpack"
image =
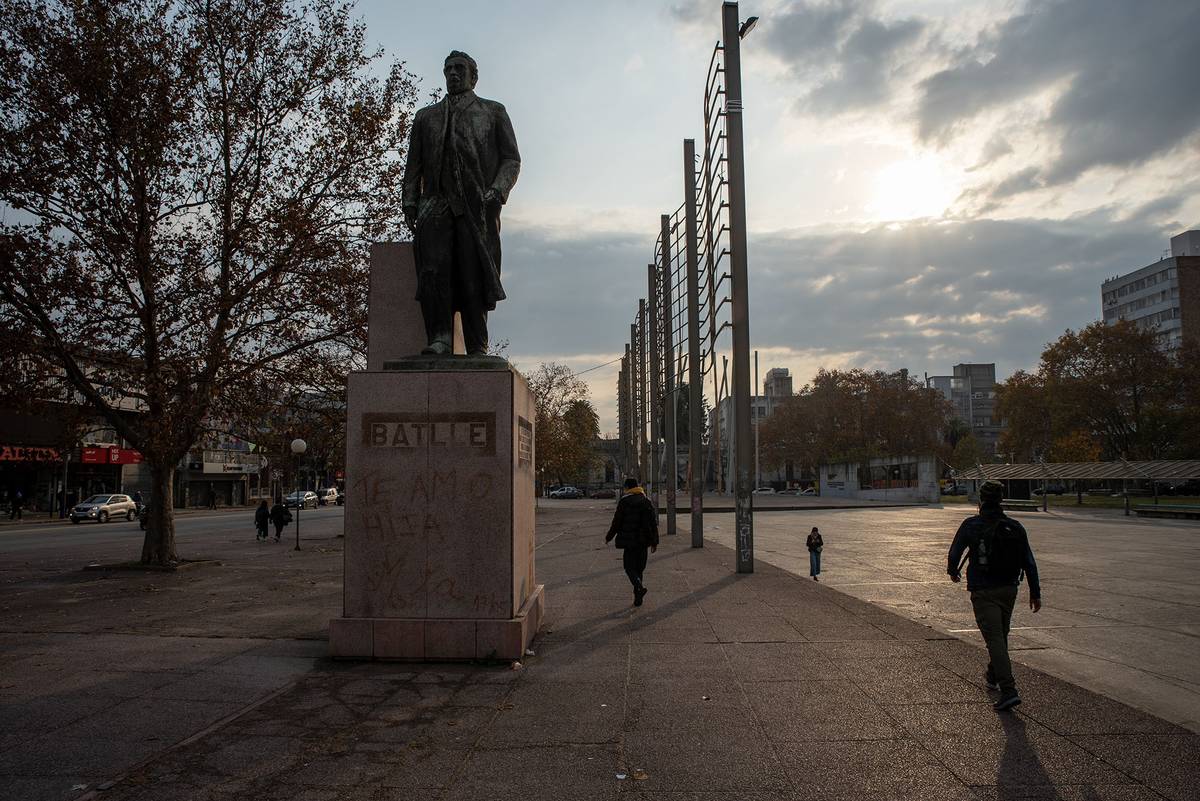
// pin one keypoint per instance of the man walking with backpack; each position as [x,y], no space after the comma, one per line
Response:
[635,526]
[998,553]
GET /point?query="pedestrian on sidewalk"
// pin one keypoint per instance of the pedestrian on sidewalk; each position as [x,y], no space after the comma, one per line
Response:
[635,527]
[280,516]
[18,500]
[998,553]
[814,543]
[262,520]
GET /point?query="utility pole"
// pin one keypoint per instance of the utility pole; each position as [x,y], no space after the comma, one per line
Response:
[695,369]
[645,391]
[757,421]
[654,397]
[739,285]
[634,402]
[668,317]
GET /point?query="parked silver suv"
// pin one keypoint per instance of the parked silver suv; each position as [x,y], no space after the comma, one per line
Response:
[101,507]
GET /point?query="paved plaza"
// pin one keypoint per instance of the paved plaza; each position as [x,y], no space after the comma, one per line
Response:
[1122,603]
[211,683]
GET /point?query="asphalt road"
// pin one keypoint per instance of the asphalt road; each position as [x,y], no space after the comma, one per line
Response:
[196,534]
[1121,612]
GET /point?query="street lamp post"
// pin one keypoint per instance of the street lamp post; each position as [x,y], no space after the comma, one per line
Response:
[299,446]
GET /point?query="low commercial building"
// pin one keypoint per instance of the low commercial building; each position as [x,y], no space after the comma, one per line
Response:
[911,479]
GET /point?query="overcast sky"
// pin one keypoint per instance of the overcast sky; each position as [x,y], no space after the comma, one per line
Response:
[928,181]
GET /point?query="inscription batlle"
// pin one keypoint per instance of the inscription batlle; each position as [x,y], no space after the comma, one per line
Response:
[524,442]
[474,432]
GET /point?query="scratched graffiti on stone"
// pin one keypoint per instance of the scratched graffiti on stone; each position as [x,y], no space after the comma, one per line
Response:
[407,521]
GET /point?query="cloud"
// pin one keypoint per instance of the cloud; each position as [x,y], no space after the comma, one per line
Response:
[1118,75]
[925,295]
[847,58]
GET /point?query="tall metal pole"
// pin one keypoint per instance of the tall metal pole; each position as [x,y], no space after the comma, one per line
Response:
[668,317]
[623,411]
[644,390]
[634,388]
[695,371]
[654,397]
[739,287]
[757,421]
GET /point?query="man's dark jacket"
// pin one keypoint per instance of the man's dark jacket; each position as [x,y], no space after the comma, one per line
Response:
[635,524]
[967,539]
[480,150]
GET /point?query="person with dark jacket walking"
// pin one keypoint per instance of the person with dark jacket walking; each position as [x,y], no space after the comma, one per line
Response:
[262,520]
[814,544]
[280,516]
[635,527]
[998,553]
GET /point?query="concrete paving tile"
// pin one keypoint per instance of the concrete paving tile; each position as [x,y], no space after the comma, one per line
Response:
[341,770]
[899,763]
[572,773]
[1025,756]
[552,712]
[950,721]
[735,629]
[779,662]
[667,633]
[1068,709]
[57,788]
[734,722]
[903,681]
[425,768]
[842,633]
[688,761]
[1067,792]
[1165,762]
[825,710]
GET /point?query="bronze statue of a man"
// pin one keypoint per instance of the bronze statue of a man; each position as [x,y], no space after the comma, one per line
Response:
[462,163]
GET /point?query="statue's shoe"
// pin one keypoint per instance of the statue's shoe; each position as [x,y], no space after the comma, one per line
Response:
[437,348]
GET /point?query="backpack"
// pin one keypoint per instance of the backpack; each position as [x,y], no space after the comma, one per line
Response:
[1001,550]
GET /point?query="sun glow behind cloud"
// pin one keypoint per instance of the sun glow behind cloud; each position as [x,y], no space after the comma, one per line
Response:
[917,187]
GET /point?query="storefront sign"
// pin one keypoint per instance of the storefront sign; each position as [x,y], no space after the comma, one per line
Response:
[111,455]
[224,467]
[28,453]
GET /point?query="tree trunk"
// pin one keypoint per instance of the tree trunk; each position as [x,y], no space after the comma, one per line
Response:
[159,546]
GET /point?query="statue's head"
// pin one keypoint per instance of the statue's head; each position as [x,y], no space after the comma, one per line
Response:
[461,71]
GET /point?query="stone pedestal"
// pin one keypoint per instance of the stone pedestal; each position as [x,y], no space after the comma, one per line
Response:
[439,561]
[395,327]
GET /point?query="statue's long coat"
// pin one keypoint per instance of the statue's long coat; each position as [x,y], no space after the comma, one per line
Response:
[483,153]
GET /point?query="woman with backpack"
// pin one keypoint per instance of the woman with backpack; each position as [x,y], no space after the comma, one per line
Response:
[262,519]
[814,543]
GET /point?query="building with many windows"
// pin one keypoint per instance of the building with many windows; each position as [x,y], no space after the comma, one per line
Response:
[1163,297]
[972,392]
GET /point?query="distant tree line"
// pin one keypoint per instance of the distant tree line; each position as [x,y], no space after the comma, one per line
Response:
[1104,392]
[854,415]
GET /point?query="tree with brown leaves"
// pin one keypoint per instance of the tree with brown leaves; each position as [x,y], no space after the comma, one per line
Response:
[193,185]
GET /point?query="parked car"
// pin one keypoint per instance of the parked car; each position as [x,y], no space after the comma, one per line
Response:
[765,491]
[809,491]
[103,507]
[567,492]
[604,493]
[327,497]
[789,491]
[954,489]
[1051,489]
[306,499]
